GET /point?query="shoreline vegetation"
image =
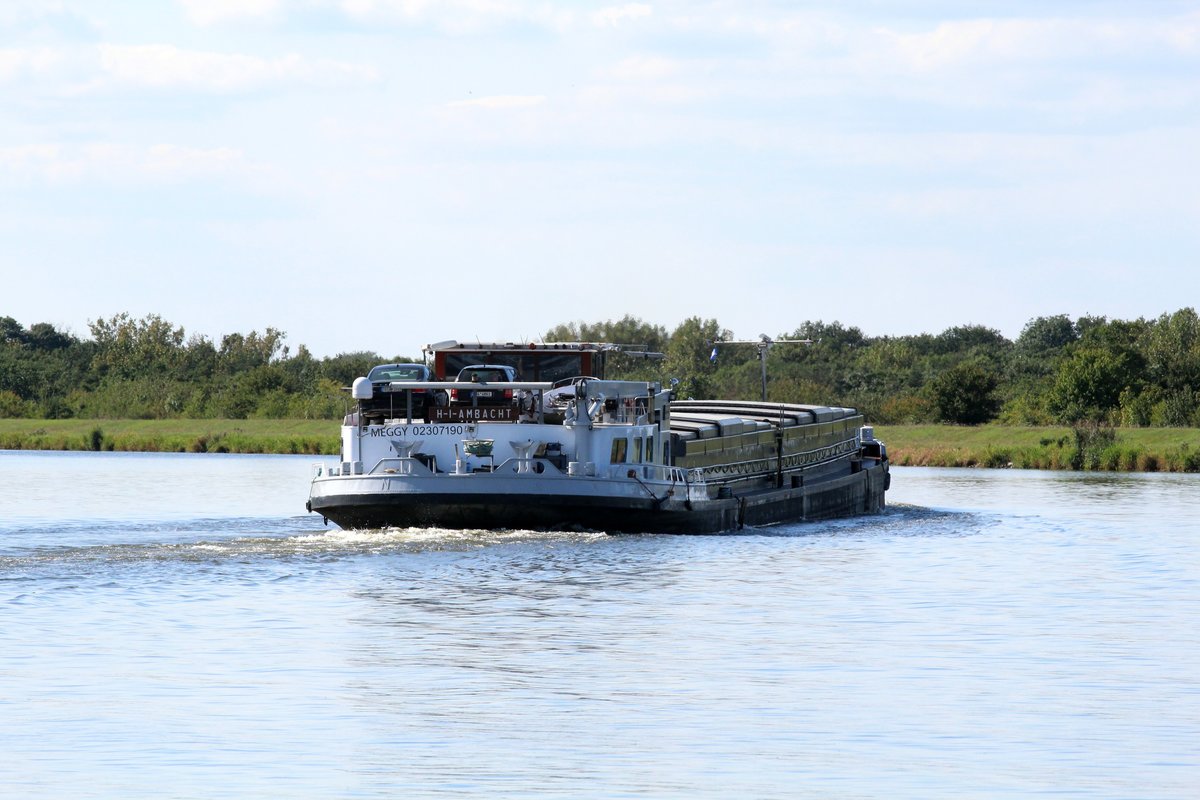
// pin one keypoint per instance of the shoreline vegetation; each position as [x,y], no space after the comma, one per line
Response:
[1086,394]
[275,436]
[1080,448]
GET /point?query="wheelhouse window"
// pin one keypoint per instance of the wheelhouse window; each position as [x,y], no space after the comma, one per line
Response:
[618,451]
[539,365]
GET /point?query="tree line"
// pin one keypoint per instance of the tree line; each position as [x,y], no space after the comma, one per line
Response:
[1058,370]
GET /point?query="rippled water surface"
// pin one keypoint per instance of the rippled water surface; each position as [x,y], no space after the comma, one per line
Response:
[177,626]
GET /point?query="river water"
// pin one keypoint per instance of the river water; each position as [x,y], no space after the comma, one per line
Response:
[175,626]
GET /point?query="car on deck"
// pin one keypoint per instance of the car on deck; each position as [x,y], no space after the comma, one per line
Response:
[389,398]
[485,395]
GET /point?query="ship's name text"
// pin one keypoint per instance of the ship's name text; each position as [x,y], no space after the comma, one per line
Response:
[389,431]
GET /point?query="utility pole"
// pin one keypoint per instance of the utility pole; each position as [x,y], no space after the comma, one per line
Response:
[763,343]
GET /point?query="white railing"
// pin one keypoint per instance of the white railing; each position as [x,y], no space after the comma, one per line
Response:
[528,466]
[650,472]
[399,466]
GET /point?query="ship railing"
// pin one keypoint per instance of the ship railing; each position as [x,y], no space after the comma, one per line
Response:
[529,466]
[338,470]
[400,466]
[739,470]
[659,473]
[416,466]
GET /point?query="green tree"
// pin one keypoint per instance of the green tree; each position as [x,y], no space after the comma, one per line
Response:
[128,348]
[687,357]
[1043,335]
[965,395]
[200,361]
[12,406]
[1172,351]
[44,336]
[240,353]
[12,332]
[345,367]
[41,366]
[627,330]
[242,396]
[970,339]
[1088,385]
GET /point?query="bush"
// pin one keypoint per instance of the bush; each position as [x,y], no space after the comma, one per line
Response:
[13,407]
[1091,443]
[1179,409]
[997,458]
[1025,410]
[143,398]
[965,395]
[905,409]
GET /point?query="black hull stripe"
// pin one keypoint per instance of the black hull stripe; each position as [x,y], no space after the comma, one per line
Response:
[859,493]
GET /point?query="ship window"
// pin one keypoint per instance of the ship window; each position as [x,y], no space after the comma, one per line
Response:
[618,451]
[637,449]
[650,454]
[539,365]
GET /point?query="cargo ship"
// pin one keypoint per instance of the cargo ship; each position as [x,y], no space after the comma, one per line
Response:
[583,452]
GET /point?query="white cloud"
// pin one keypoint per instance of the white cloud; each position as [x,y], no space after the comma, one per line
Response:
[365,8]
[1062,70]
[610,98]
[613,16]
[47,19]
[176,161]
[951,44]
[210,12]
[643,68]
[1184,34]
[454,16]
[166,66]
[503,101]
[16,62]
[28,157]
[58,163]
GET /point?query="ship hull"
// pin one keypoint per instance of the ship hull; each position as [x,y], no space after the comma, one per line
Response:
[526,503]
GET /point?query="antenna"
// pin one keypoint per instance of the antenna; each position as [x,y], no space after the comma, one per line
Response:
[763,343]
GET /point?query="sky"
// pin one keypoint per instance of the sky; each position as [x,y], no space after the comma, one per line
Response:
[375,175]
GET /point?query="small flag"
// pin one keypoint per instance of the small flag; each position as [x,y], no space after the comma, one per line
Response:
[713,358]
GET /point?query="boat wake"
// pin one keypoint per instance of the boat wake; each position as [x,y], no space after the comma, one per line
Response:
[897,519]
[206,542]
[213,542]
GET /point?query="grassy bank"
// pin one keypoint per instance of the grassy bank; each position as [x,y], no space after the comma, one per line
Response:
[1128,449]
[1123,449]
[318,437]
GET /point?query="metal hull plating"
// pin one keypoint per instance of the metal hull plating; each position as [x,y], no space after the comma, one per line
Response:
[530,503]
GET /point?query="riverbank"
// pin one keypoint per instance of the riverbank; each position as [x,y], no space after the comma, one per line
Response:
[316,437]
[1000,447]
[991,446]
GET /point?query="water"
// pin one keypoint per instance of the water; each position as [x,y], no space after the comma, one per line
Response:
[175,626]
